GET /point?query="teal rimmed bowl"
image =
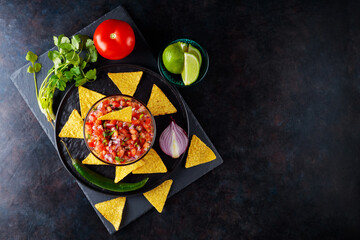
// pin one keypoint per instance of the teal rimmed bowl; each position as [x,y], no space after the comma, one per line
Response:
[176,79]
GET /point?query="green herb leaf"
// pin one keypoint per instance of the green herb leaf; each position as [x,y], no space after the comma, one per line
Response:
[93,54]
[55,40]
[72,57]
[75,42]
[82,63]
[83,39]
[89,43]
[37,67]
[30,69]
[65,46]
[53,55]
[75,70]
[31,57]
[61,83]
[69,75]
[63,39]
[52,81]
[58,39]
[57,63]
[91,74]
[80,82]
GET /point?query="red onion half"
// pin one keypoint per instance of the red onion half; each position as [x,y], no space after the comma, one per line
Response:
[173,140]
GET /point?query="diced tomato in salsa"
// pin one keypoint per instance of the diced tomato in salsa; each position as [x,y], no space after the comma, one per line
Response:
[115,141]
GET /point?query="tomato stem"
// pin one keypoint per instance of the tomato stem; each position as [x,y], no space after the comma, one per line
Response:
[112,35]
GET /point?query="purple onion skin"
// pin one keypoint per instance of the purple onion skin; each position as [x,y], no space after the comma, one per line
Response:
[165,140]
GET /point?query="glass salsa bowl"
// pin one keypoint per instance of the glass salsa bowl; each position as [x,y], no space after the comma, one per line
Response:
[176,79]
[115,142]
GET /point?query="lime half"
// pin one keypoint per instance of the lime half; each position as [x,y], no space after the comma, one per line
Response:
[196,52]
[173,58]
[191,69]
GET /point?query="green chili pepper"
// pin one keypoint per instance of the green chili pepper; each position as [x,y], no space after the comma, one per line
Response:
[101,181]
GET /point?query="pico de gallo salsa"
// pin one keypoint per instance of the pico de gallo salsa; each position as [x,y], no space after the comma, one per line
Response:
[118,142]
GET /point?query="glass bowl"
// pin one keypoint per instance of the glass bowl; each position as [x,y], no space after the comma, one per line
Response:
[175,79]
[116,137]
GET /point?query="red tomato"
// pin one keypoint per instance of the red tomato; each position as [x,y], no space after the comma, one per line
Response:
[91,143]
[114,39]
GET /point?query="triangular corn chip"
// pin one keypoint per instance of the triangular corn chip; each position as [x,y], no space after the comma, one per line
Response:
[198,153]
[124,115]
[126,81]
[159,104]
[153,164]
[92,160]
[87,98]
[73,128]
[123,171]
[157,196]
[112,210]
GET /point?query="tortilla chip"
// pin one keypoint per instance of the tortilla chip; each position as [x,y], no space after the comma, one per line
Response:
[92,160]
[124,115]
[126,82]
[123,171]
[73,128]
[198,153]
[157,197]
[87,98]
[153,164]
[112,210]
[159,104]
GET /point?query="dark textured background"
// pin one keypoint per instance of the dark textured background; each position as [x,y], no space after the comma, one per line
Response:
[281,102]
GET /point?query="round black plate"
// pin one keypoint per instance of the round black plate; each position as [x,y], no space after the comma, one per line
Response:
[104,85]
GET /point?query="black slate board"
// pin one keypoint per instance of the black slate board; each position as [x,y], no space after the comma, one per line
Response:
[142,56]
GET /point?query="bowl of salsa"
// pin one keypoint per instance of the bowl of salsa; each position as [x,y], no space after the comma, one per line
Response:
[118,142]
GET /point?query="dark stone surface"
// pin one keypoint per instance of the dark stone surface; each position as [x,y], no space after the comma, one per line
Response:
[280,102]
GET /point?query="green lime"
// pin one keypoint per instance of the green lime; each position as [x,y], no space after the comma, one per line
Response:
[173,58]
[191,69]
[196,52]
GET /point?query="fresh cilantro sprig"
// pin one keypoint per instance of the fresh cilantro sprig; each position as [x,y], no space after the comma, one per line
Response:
[34,67]
[70,60]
